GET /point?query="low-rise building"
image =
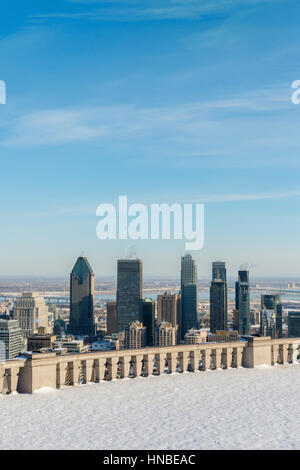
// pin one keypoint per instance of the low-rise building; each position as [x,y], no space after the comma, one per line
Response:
[40,340]
[103,345]
[222,336]
[73,346]
[195,336]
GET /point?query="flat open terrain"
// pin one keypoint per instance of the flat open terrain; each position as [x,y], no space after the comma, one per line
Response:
[223,409]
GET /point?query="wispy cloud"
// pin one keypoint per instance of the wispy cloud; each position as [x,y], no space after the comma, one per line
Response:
[196,120]
[52,127]
[251,197]
[139,10]
[90,210]
[62,211]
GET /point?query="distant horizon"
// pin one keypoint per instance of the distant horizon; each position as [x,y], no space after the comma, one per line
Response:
[147,277]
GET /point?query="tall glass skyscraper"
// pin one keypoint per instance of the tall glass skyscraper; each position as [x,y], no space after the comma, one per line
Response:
[82,291]
[129,292]
[218,271]
[189,294]
[242,302]
[269,303]
[218,297]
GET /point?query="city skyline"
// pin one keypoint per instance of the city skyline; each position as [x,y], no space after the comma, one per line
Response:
[182,102]
[150,262]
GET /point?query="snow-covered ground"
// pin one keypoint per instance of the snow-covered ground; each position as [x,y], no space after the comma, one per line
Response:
[224,409]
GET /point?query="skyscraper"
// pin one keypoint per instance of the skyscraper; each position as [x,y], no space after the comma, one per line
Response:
[31,312]
[272,302]
[219,271]
[129,292]
[188,270]
[189,295]
[243,276]
[82,291]
[168,308]
[148,319]
[294,324]
[242,302]
[111,310]
[218,297]
[268,323]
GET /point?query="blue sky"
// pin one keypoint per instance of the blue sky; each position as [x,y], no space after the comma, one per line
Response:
[160,100]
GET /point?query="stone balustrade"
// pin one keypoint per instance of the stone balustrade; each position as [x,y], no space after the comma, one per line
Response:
[50,370]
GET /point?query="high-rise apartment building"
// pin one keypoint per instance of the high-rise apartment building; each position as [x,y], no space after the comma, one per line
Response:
[135,335]
[82,291]
[129,292]
[10,339]
[165,334]
[271,302]
[169,309]
[111,309]
[189,295]
[242,302]
[31,312]
[255,317]
[268,323]
[219,271]
[218,298]
[243,276]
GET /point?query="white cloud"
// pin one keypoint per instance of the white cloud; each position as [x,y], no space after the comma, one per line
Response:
[250,197]
[90,210]
[159,10]
[52,127]
[193,122]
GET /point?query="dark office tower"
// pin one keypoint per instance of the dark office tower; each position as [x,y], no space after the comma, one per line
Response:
[218,271]
[111,309]
[242,302]
[294,324]
[218,297]
[188,270]
[218,306]
[148,319]
[243,276]
[189,295]
[189,305]
[82,290]
[129,292]
[271,303]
